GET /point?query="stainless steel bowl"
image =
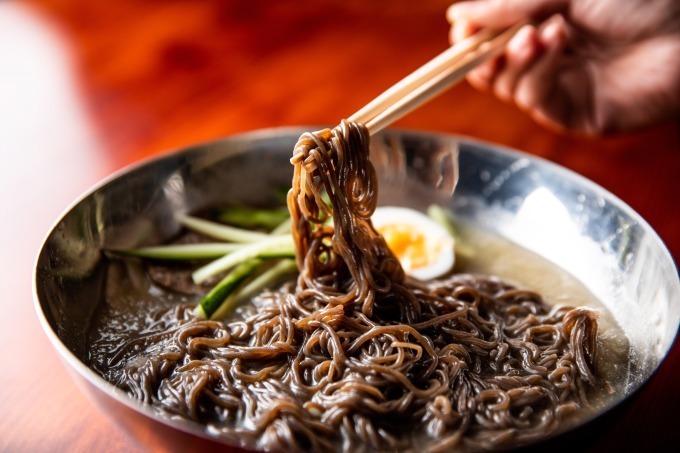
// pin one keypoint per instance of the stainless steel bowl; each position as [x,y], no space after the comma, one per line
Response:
[545,208]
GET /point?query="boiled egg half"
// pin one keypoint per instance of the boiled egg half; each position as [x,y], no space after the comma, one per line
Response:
[424,247]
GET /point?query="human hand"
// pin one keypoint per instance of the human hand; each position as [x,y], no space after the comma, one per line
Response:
[592,67]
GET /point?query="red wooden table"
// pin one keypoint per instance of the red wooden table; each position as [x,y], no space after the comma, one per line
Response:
[89,87]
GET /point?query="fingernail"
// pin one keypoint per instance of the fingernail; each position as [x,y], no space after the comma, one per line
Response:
[461,30]
[522,43]
[458,11]
[482,72]
[451,13]
[553,33]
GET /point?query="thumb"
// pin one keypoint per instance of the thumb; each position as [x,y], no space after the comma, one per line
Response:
[502,13]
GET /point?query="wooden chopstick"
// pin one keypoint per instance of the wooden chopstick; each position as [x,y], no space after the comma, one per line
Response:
[432,78]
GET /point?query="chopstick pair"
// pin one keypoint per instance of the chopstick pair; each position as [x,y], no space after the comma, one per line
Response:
[435,76]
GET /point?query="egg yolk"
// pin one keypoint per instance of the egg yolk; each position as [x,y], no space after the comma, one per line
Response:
[409,246]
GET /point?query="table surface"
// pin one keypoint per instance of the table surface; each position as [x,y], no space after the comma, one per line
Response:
[89,87]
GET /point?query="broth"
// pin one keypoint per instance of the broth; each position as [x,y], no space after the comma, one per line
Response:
[138,312]
[357,355]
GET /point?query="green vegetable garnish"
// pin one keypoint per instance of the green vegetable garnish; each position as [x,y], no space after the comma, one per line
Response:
[249,218]
[445,219]
[204,251]
[284,227]
[254,286]
[220,231]
[212,301]
[442,217]
[271,247]
[242,254]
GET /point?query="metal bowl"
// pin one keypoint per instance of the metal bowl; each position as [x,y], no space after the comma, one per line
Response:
[542,207]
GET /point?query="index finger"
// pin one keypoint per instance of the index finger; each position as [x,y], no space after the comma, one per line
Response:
[502,13]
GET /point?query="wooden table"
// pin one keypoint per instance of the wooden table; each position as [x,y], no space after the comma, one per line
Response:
[89,87]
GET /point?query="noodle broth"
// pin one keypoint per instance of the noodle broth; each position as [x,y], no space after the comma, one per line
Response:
[139,313]
[357,355]
[491,254]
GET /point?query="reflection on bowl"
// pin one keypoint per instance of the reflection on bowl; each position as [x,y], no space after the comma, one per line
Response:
[541,207]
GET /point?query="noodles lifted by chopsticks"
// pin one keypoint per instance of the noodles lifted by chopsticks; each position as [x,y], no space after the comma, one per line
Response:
[348,262]
[356,356]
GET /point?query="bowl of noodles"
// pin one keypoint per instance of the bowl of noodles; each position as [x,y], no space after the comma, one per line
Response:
[178,305]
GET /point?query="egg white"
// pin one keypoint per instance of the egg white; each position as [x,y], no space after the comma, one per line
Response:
[439,242]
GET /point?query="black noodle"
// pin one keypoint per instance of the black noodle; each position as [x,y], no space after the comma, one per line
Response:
[357,356]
